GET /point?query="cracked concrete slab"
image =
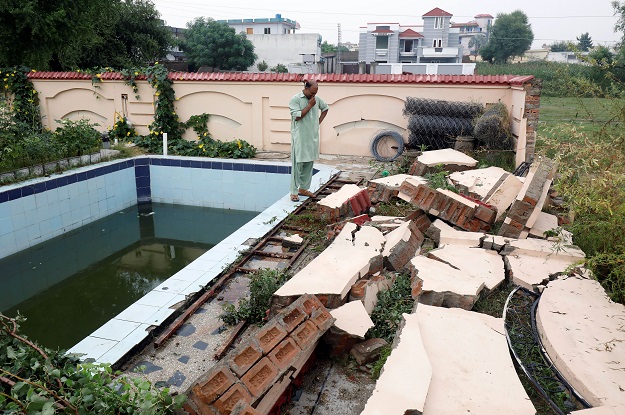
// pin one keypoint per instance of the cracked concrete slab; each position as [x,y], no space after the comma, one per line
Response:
[352,318]
[329,275]
[583,333]
[443,285]
[472,371]
[482,264]
[450,159]
[503,195]
[544,222]
[444,234]
[402,244]
[479,183]
[405,379]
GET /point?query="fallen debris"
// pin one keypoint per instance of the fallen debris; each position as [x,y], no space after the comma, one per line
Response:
[384,188]
[402,244]
[446,159]
[350,200]
[443,234]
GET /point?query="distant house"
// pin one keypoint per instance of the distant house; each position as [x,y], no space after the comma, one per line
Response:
[265,26]
[434,42]
[481,26]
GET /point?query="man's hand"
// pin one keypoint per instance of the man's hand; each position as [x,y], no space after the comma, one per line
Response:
[311,102]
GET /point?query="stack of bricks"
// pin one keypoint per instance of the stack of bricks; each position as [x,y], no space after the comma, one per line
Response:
[385,188]
[261,368]
[531,198]
[349,201]
[472,216]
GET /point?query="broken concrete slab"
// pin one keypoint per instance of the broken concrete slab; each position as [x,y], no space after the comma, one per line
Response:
[350,200]
[531,197]
[479,183]
[384,188]
[472,371]
[601,410]
[448,159]
[443,234]
[443,285]
[582,331]
[405,379]
[497,243]
[402,244]
[292,241]
[544,222]
[502,196]
[543,248]
[487,266]
[331,275]
[352,318]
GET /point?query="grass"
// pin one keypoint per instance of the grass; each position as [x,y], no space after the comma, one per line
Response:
[586,114]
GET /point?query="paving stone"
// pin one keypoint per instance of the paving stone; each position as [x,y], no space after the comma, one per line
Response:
[177,379]
[200,345]
[184,359]
[582,331]
[472,371]
[329,275]
[443,285]
[148,367]
[405,379]
[186,330]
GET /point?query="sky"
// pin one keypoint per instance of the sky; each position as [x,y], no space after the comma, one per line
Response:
[551,20]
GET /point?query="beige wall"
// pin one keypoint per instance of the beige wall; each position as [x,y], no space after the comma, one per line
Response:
[258,111]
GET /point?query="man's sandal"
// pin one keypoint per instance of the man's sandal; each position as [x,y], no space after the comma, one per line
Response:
[306,193]
[294,198]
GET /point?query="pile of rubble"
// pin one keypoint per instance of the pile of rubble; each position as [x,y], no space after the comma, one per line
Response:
[446,358]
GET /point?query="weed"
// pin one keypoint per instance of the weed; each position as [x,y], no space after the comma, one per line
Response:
[263,283]
[396,207]
[437,179]
[376,368]
[392,303]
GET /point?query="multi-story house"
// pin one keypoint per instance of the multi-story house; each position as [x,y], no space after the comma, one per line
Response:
[433,42]
[479,27]
[267,26]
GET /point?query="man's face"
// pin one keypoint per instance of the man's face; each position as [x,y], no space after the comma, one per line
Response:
[311,92]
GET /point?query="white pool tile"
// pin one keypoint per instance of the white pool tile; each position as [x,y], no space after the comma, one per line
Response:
[115,329]
[187,274]
[156,298]
[138,313]
[172,285]
[92,348]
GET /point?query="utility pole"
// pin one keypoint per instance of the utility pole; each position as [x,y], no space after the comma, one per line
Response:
[338,52]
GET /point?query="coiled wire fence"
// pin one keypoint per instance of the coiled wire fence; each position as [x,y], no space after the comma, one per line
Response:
[436,123]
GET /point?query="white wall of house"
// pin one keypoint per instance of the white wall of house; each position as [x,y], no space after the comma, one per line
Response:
[286,49]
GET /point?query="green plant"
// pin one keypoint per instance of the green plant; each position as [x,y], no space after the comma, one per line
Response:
[76,138]
[199,124]
[376,368]
[437,179]
[262,66]
[36,380]
[122,131]
[392,303]
[263,283]
[280,68]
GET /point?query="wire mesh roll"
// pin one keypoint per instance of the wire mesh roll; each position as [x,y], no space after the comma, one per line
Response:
[492,130]
[437,107]
[437,132]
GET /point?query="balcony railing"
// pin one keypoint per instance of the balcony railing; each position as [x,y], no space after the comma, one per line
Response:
[440,52]
[381,52]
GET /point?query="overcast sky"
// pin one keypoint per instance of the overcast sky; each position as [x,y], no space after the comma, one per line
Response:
[551,20]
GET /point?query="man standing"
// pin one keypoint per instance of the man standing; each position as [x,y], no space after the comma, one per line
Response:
[307,112]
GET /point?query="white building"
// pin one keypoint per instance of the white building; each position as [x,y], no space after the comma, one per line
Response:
[481,26]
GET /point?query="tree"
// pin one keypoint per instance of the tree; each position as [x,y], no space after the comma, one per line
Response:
[262,66]
[476,43]
[329,48]
[510,36]
[66,34]
[584,42]
[563,47]
[280,68]
[209,43]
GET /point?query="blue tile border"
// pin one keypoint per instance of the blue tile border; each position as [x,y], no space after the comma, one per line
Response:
[142,170]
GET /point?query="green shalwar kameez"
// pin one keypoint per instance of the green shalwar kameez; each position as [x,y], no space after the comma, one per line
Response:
[304,140]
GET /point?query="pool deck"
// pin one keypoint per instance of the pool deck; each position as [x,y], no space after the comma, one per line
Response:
[116,338]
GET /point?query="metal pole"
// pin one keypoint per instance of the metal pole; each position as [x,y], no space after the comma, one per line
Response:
[164,144]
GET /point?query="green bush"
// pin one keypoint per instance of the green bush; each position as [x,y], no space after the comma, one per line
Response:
[76,138]
[36,380]
[392,303]
[122,131]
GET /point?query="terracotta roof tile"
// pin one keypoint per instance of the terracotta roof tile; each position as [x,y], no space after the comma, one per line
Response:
[484,16]
[409,33]
[292,77]
[437,12]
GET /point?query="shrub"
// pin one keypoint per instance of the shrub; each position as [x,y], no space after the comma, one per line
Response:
[76,138]
[122,131]
[392,303]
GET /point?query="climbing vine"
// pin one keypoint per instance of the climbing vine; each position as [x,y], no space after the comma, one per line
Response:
[23,97]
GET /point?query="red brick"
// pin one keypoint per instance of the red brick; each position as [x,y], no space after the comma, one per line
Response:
[306,334]
[409,189]
[485,214]
[311,303]
[269,400]
[215,382]
[228,400]
[270,335]
[260,377]
[284,353]
[322,319]
[291,317]
[357,292]
[243,408]
[195,406]
[245,356]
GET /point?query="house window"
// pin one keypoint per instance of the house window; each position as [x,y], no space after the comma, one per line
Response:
[438,23]
[437,43]
[408,45]
[382,28]
[285,31]
[249,31]
[267,30]
[381,42]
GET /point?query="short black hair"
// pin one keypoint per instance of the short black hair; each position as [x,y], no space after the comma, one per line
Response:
[306,84]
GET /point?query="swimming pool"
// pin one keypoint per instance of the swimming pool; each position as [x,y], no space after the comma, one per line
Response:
[41,209]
